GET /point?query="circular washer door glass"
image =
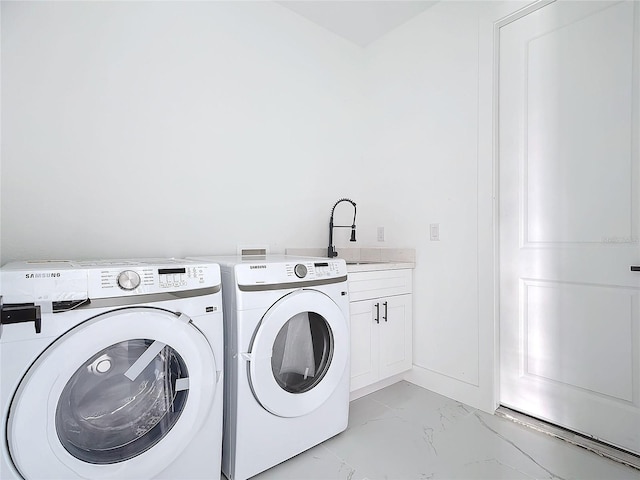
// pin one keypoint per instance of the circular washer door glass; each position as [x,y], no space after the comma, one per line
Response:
[122,401]
[302,352]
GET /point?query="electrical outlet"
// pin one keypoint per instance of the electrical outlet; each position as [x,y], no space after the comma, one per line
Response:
[381,234]
[434,232]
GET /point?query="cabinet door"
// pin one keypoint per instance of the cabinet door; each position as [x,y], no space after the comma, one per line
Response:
[395,335]
[364,344]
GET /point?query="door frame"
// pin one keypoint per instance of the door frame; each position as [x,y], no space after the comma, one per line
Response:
[495,104]
[518,14]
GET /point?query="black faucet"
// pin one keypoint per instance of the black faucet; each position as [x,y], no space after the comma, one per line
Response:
[331,251]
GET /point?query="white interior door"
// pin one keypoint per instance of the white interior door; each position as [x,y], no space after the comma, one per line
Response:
[570,216]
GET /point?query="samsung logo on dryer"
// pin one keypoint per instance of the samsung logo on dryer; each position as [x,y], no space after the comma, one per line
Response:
[253,267]
[42,275]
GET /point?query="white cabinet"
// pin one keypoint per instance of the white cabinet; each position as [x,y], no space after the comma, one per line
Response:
[381,325]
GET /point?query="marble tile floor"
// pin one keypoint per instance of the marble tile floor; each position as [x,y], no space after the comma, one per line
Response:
[404,432]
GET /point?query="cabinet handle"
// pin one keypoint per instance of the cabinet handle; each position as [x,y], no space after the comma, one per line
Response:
[635,268]
[377,319]
[385,311]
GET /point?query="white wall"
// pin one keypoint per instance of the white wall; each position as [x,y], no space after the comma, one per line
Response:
[423,82]
[173,128]
[143,129]
[430,86]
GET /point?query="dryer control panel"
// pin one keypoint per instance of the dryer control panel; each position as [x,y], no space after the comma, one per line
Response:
[295,272]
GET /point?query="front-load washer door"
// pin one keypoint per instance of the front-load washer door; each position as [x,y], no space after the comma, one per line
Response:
[119,396]
[299,353]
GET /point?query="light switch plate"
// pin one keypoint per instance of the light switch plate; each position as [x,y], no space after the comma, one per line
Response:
[434,232]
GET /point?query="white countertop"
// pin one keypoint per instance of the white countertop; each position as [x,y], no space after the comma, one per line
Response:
[374,266]
[367,259]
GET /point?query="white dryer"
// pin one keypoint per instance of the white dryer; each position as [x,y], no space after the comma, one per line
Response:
[287,358]
[111,370]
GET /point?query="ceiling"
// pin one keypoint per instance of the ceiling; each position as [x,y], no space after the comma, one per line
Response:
[359,21]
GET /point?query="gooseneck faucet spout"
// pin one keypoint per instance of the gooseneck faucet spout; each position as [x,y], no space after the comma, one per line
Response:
[331,251]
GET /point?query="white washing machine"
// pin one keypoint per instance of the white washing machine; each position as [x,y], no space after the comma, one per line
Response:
[111,370]
[287,358]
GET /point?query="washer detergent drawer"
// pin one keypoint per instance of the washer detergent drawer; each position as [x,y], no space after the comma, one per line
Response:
[98,401]
[21,313]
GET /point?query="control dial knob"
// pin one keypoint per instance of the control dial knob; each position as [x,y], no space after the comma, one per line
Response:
[300,270]
[128,280]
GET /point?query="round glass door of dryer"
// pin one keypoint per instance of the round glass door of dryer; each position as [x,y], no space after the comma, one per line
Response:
[117,396]
[299,353]
[302,352]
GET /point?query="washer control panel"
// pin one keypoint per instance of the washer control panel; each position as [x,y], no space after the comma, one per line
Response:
[139,279]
